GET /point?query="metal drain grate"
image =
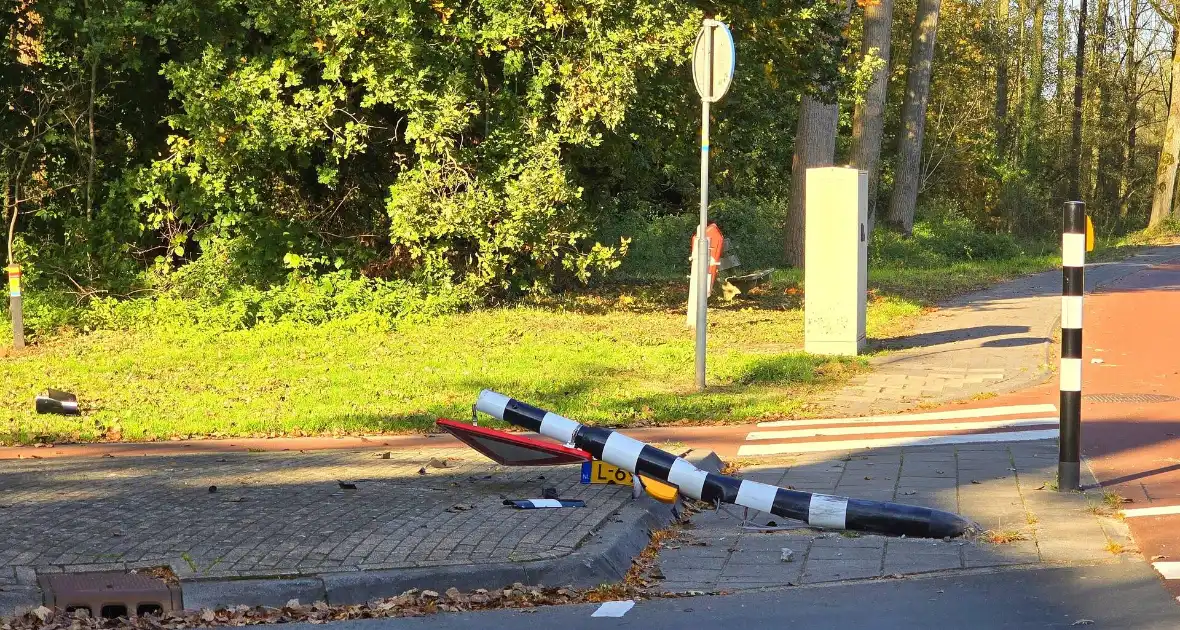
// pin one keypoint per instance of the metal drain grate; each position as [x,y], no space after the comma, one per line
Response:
[110,594]
[1130,398]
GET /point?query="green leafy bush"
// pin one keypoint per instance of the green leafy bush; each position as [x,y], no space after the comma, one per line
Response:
[941,237]
[660,245]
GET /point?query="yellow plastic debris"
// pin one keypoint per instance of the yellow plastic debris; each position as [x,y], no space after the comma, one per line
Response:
[658,490]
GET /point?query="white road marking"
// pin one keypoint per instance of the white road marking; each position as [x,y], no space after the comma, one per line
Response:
[1170,570]
[937,440]
[1162,510]
[901,428]
[986,412]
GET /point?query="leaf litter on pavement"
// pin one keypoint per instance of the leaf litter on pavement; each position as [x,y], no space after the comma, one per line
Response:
[413,603]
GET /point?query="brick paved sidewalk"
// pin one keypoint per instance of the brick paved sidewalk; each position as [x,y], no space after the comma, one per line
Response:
[1005,487]
[284,514]
[993,341]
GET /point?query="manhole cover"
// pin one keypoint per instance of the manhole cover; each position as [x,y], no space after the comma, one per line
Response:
[110,594]
[1130,398]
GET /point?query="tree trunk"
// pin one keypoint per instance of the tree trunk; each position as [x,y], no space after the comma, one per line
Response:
[815,145]
[868,121]
[1106,181]
[1165,176]
[1017,90]
[913,117]
[1075,153]
[1131,100]
[92,158]
[1003,43]
[1062,36]
[1035,91]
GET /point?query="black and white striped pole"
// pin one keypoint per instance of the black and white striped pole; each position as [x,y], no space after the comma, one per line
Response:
[1073,264]
[817,510]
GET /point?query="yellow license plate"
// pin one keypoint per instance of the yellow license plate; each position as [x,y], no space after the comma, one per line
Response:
[601,472]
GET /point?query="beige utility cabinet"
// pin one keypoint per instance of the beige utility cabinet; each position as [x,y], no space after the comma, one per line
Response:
[836,259]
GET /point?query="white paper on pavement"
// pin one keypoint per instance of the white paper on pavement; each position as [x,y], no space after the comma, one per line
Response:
[614,609]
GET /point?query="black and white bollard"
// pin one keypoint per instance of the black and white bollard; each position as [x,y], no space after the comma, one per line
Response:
[1073,264]
[817,510]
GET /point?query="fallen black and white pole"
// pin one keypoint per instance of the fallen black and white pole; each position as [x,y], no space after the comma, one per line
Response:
[817,510]
[1073,264]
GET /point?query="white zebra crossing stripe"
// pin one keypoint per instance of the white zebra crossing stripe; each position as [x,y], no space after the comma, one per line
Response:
[1012,410]
[1162,510]
[900,428]
[935,440]
[1169,570]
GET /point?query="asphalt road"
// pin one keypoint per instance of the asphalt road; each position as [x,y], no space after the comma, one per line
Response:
[1127,596]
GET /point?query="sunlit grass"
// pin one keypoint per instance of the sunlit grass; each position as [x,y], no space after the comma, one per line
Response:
[620,355]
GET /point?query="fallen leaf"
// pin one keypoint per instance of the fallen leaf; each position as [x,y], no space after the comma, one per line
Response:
[385,455]
[208,615]
[422,471]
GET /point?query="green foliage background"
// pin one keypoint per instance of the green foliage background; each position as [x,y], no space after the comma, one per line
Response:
[480,149]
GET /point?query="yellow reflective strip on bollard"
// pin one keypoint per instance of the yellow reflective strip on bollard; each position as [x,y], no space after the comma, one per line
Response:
[1089,234]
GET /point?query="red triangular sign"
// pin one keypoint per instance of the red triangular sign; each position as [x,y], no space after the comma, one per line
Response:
[511,449]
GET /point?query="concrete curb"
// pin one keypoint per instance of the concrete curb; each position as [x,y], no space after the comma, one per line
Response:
[605,557]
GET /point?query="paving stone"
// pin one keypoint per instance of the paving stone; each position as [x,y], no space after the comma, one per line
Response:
[694,575]
[921,563]
[850,553]
[920,546]
[831,571]
[741,584]
[278,513]
[778,573]
[857,541]
[907,482]
[988,555]
[683,587]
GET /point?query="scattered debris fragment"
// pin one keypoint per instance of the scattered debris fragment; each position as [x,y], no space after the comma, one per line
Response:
[1082,622]
[787,555]
[437,462]
[422,470]
[57,402]
[384,455]
[344,485]
[537,504]
[212,489]
[614,609]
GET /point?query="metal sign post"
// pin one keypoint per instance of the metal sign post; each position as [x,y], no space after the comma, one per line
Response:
[713,59]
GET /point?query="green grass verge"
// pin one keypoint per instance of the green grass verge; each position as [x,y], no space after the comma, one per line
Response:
[619,356]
